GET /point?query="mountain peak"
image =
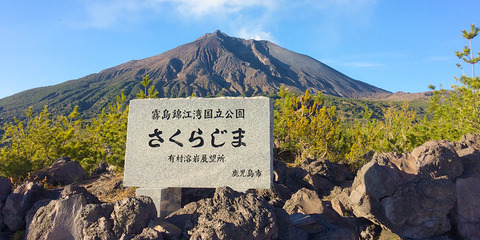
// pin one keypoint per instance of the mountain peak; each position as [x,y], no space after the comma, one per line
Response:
[216,34]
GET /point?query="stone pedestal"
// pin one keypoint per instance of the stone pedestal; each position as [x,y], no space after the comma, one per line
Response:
[167,200]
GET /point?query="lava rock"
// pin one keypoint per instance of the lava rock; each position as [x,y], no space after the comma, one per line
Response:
[60,219]
[132,214]
[232,215]
[62,172]
[19,202]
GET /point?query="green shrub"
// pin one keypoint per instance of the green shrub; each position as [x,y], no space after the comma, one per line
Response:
[305,129]
[455,113]
[393,133]
[37,143]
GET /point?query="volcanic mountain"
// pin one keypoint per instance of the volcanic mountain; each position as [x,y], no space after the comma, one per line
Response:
[214,64]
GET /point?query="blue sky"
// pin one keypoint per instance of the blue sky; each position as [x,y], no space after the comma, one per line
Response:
[395,45]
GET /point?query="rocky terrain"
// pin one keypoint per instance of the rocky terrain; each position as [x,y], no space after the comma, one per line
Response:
[431,193]
[402,96]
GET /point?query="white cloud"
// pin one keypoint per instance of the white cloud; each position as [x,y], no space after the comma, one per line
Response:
[341,5]
[104,14]
[201,8]
[107,13]
[256,33]
[328,20]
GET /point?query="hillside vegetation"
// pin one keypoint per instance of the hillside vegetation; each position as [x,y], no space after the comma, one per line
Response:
[306,126]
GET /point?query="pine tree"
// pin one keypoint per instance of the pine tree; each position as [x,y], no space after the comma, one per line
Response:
[456,113]
[149,92]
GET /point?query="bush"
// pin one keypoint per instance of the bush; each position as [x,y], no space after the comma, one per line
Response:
[36,144]
[393,133]
[106,136]
[305,129]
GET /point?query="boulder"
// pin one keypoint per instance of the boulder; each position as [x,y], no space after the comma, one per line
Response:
[97,222]
[470,158]
[367,230]
[338,206]
[63,171]
[318,183]
[319,175]
[276,196]
[296,179]
[232,215]
[410,194]
[132,214]
[168,230]
[306,222]
[33,210]
[60,219]
[74,189]
[438,159]
[1,217]
[420,209]
[334,172]
[338,198]
[466,214]
[5,189]
[304,201]
[286,230]
[124,219]
[317,217]
[376,180]
[148,234]
[19,202]
[469,140]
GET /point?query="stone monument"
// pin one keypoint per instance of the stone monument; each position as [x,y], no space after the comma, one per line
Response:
[198,143]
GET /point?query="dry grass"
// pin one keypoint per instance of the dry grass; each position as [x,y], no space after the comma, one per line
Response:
[108,187]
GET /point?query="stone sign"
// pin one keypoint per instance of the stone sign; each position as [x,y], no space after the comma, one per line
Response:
[199,143]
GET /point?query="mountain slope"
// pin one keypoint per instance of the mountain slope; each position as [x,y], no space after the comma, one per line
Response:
[214,63]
